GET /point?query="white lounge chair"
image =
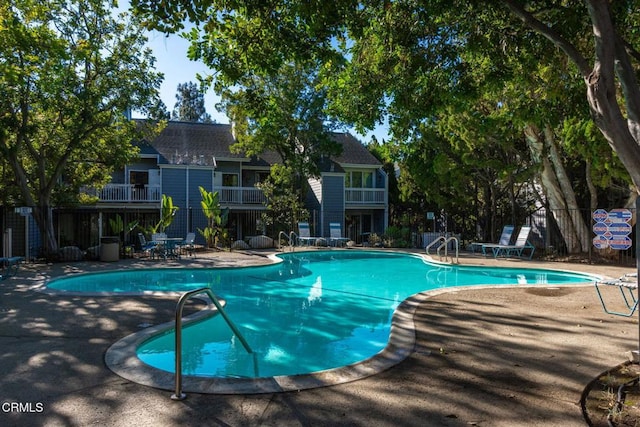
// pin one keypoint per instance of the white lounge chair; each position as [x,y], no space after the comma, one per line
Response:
[517,249]
[336,237]
[505,239]
[304,234]
[628,286]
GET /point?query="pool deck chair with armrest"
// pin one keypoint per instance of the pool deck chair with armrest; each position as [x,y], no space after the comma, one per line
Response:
[628,286]
[517,249]
[505,239]
[304,234]
[188,244]
[10,266]
[336,238]
[146,247]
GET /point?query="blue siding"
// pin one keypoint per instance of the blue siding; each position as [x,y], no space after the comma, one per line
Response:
[332,201]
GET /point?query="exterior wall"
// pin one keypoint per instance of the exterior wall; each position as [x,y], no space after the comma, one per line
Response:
[182,184]
[332,201]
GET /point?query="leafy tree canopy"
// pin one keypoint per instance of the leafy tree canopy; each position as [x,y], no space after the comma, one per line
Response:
[189,105]
[69,72]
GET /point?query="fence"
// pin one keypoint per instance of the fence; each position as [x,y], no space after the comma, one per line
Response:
[556,233]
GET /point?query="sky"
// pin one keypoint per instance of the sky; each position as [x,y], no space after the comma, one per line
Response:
[171,60]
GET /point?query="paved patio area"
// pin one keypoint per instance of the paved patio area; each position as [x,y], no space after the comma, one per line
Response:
[516,356]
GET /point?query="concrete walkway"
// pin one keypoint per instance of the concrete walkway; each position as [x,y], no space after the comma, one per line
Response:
[485,357]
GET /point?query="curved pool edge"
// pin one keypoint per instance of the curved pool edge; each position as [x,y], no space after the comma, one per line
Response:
[121,357]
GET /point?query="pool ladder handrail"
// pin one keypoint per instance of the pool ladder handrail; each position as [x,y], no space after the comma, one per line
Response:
[179,395]
[445,243]
[288,238]
[294,242]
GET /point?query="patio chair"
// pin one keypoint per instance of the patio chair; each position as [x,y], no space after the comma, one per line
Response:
[10,266]
[304,234]
[335,230]
[628,286]
[505,239]
[146,247]
[517,249]
[188,244]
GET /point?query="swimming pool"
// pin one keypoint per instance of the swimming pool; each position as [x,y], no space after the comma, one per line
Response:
[314,311]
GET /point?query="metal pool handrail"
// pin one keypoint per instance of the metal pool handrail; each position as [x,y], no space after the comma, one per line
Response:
[179,395]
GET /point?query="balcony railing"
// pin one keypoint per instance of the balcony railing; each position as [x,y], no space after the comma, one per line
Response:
[364,196]
[126,193]
[113,193]
[241,196]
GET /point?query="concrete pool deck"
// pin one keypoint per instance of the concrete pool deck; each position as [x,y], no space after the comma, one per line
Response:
[516,356]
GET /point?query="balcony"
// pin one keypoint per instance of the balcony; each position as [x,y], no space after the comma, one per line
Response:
[241,196]
[123,193]
[119,193]
[364,196]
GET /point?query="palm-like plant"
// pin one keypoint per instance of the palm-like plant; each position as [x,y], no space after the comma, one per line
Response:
[216,217]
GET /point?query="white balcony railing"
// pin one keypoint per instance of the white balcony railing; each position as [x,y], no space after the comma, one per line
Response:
[364,196]
[126,193]
[241,196]
[228,195]
[131,193]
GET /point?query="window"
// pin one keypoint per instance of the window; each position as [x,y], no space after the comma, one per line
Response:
[358,179]
[229,180]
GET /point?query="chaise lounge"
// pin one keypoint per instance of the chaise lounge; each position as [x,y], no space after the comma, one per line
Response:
[336,238]
[505,239]
[517,249]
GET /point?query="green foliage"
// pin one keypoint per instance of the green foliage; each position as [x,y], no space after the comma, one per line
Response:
[116,224]
[167,213]
[68,73]
[190,104]
[284,205]
[216,218]
[285,113]
[397,237]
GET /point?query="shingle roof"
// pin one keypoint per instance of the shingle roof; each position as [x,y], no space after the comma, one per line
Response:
[199,143]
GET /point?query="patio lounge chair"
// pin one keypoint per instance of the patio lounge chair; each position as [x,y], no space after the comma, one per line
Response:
[304,234]
[628,286]
[505,239]
[517,249]
[188,244]
[10,266]
[336,236]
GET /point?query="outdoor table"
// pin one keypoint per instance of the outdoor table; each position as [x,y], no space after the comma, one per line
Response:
[167,247]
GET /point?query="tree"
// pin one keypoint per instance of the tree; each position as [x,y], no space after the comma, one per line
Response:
[190,104]
[284,207]
[285,113]
[265,35]
[68,73]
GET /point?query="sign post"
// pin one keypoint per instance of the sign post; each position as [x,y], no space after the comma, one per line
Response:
[636,356]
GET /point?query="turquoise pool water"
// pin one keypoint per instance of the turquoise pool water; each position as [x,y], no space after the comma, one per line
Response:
[312,312]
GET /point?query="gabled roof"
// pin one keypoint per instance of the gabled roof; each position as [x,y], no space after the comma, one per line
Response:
[199,143]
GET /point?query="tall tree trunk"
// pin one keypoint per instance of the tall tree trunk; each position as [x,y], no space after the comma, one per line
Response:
[583,235]
[611,69]
[557,189]
[43,216]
